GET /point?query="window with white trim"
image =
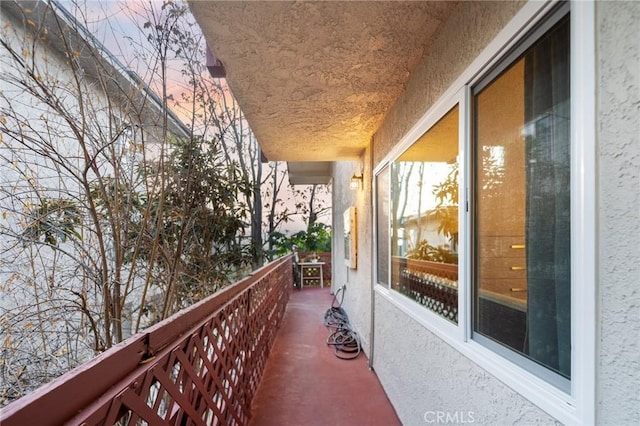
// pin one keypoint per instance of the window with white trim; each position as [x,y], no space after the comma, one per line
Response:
[516,199]
[424,219]
[521,198]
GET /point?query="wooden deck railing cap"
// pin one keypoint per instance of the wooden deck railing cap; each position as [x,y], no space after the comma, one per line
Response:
[93,389]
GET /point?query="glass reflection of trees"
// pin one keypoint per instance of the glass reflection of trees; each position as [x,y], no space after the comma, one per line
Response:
[424,216]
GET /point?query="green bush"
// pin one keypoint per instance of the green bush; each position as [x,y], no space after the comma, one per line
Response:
[316,239]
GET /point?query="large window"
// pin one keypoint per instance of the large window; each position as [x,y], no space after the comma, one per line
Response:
[424,219]
[522,296]
[510,294]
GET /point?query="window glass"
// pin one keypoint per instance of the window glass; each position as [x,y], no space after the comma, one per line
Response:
[424,219]
[522,204]
[382,225]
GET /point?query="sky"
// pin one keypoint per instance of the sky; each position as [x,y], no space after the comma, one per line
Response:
[116,23]
[113,21]
[119,26]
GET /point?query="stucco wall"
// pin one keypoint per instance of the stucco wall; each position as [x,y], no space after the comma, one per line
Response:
[357,297]
[618,135]
[421,374]
[470,29]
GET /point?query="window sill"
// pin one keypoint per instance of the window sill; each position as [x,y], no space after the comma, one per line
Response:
[546,396]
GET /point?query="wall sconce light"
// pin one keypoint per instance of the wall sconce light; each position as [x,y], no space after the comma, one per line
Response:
[356,181]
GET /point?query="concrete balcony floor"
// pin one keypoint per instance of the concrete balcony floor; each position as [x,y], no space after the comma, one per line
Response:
[305,384]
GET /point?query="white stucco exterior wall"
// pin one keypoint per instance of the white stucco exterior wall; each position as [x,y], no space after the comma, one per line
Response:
[421,374]
[357,296]
[618,138]
[419,371]
[35,281]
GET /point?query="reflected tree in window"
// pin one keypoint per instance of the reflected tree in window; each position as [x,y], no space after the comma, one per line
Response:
[424,241]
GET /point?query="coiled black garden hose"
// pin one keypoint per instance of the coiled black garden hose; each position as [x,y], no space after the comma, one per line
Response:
[343,338]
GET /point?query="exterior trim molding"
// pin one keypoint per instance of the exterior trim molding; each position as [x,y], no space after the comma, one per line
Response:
[584,209]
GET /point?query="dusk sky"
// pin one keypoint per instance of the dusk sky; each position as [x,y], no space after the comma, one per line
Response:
[119,26]
[116,23]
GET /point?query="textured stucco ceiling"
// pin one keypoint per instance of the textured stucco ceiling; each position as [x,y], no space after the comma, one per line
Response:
[315,79]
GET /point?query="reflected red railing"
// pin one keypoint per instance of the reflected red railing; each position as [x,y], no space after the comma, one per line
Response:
[201,366]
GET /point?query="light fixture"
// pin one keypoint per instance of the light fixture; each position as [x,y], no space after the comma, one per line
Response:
[356,181]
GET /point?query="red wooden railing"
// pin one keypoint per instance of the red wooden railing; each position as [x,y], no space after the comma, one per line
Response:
[202,366]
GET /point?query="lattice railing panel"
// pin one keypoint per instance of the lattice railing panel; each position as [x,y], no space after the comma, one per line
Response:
[189,372]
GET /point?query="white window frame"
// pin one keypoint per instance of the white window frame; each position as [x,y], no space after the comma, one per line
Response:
[578,406]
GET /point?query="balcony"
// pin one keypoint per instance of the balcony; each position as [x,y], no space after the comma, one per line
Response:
[210,365]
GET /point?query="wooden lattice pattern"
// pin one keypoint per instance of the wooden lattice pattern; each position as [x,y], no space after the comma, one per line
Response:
[211,375]
[204,374]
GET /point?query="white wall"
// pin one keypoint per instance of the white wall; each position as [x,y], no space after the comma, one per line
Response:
[44,333]
[618,137]
[357,296]
[43,329]
[422,375]
[419,371]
